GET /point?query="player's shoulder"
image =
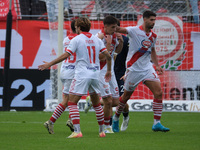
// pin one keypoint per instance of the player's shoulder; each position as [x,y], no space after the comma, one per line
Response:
[132,29]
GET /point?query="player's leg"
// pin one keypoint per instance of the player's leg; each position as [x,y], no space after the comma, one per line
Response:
[131,82]
[107,106]
[74,115]
[49,125]
[99,113]
[78,88]
[69,121]
[119,109]
[155,88]
[106,100]
[60,108]
[94,91]
[125,122]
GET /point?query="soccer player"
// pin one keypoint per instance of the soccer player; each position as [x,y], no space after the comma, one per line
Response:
[66,75]
[139,68]
[86,78]
[109,90]
[119,69]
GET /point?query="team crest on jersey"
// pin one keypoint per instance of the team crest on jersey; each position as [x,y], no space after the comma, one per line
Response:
[146,44]
[107,91]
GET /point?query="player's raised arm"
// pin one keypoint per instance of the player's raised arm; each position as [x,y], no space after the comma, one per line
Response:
[53,62]
[121,30]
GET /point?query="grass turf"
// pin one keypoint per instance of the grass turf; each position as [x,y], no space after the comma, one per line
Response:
[25,131]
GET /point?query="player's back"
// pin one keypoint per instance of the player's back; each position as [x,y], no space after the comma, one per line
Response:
[87,48]
[68,66]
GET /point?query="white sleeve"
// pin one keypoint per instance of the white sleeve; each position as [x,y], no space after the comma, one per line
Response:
[72,47]
[102,46]
[130,31]
[154,42]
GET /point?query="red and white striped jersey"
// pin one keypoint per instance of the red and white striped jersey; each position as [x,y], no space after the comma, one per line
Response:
[68,66]
[140,45]
[87,48]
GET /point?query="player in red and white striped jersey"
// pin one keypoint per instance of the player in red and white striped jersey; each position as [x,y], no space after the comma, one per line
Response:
[66,75]
[139,68]
[86,78]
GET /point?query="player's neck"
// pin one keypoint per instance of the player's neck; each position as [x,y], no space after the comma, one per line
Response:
[147,30]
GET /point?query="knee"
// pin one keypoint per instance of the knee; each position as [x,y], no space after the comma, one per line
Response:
[126,97]
[107,102]
[115,102]
[158,94]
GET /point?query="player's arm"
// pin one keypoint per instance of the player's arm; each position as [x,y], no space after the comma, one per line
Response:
[108,45]
[108,61]
[155,61]
[120,45]
[53,62]
[121,30]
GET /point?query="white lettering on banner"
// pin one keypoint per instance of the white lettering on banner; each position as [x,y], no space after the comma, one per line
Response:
[18,100]
[195,38]
[1,93]
[44,87]
[45,50]
[16,48]
[176,106]
[140,105]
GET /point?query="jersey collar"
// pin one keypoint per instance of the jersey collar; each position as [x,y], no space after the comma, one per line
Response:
[88,34]
[147,34]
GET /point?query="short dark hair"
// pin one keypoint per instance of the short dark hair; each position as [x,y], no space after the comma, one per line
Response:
[84,24]
[108,20]
[73,25]
[148,14]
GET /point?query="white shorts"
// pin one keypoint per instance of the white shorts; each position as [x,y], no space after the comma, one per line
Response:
[66,85]
[108,88]
[81,87]
[133,78]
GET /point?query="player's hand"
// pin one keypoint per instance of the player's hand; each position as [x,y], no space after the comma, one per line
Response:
[44,66]
[159,70]
[108,39]
[100,35]
[123,78]
[119,37]
[107,76]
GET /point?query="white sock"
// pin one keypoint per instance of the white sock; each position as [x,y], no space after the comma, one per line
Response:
[115,118]
[100,128]
[156,121]
[77,128]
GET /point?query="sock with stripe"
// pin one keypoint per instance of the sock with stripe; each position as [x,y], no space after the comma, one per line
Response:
[157,109]
[119,109]
[74,115]
[57,113]
[99,115]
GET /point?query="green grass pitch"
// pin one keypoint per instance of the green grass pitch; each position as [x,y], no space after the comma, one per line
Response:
[25,131]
